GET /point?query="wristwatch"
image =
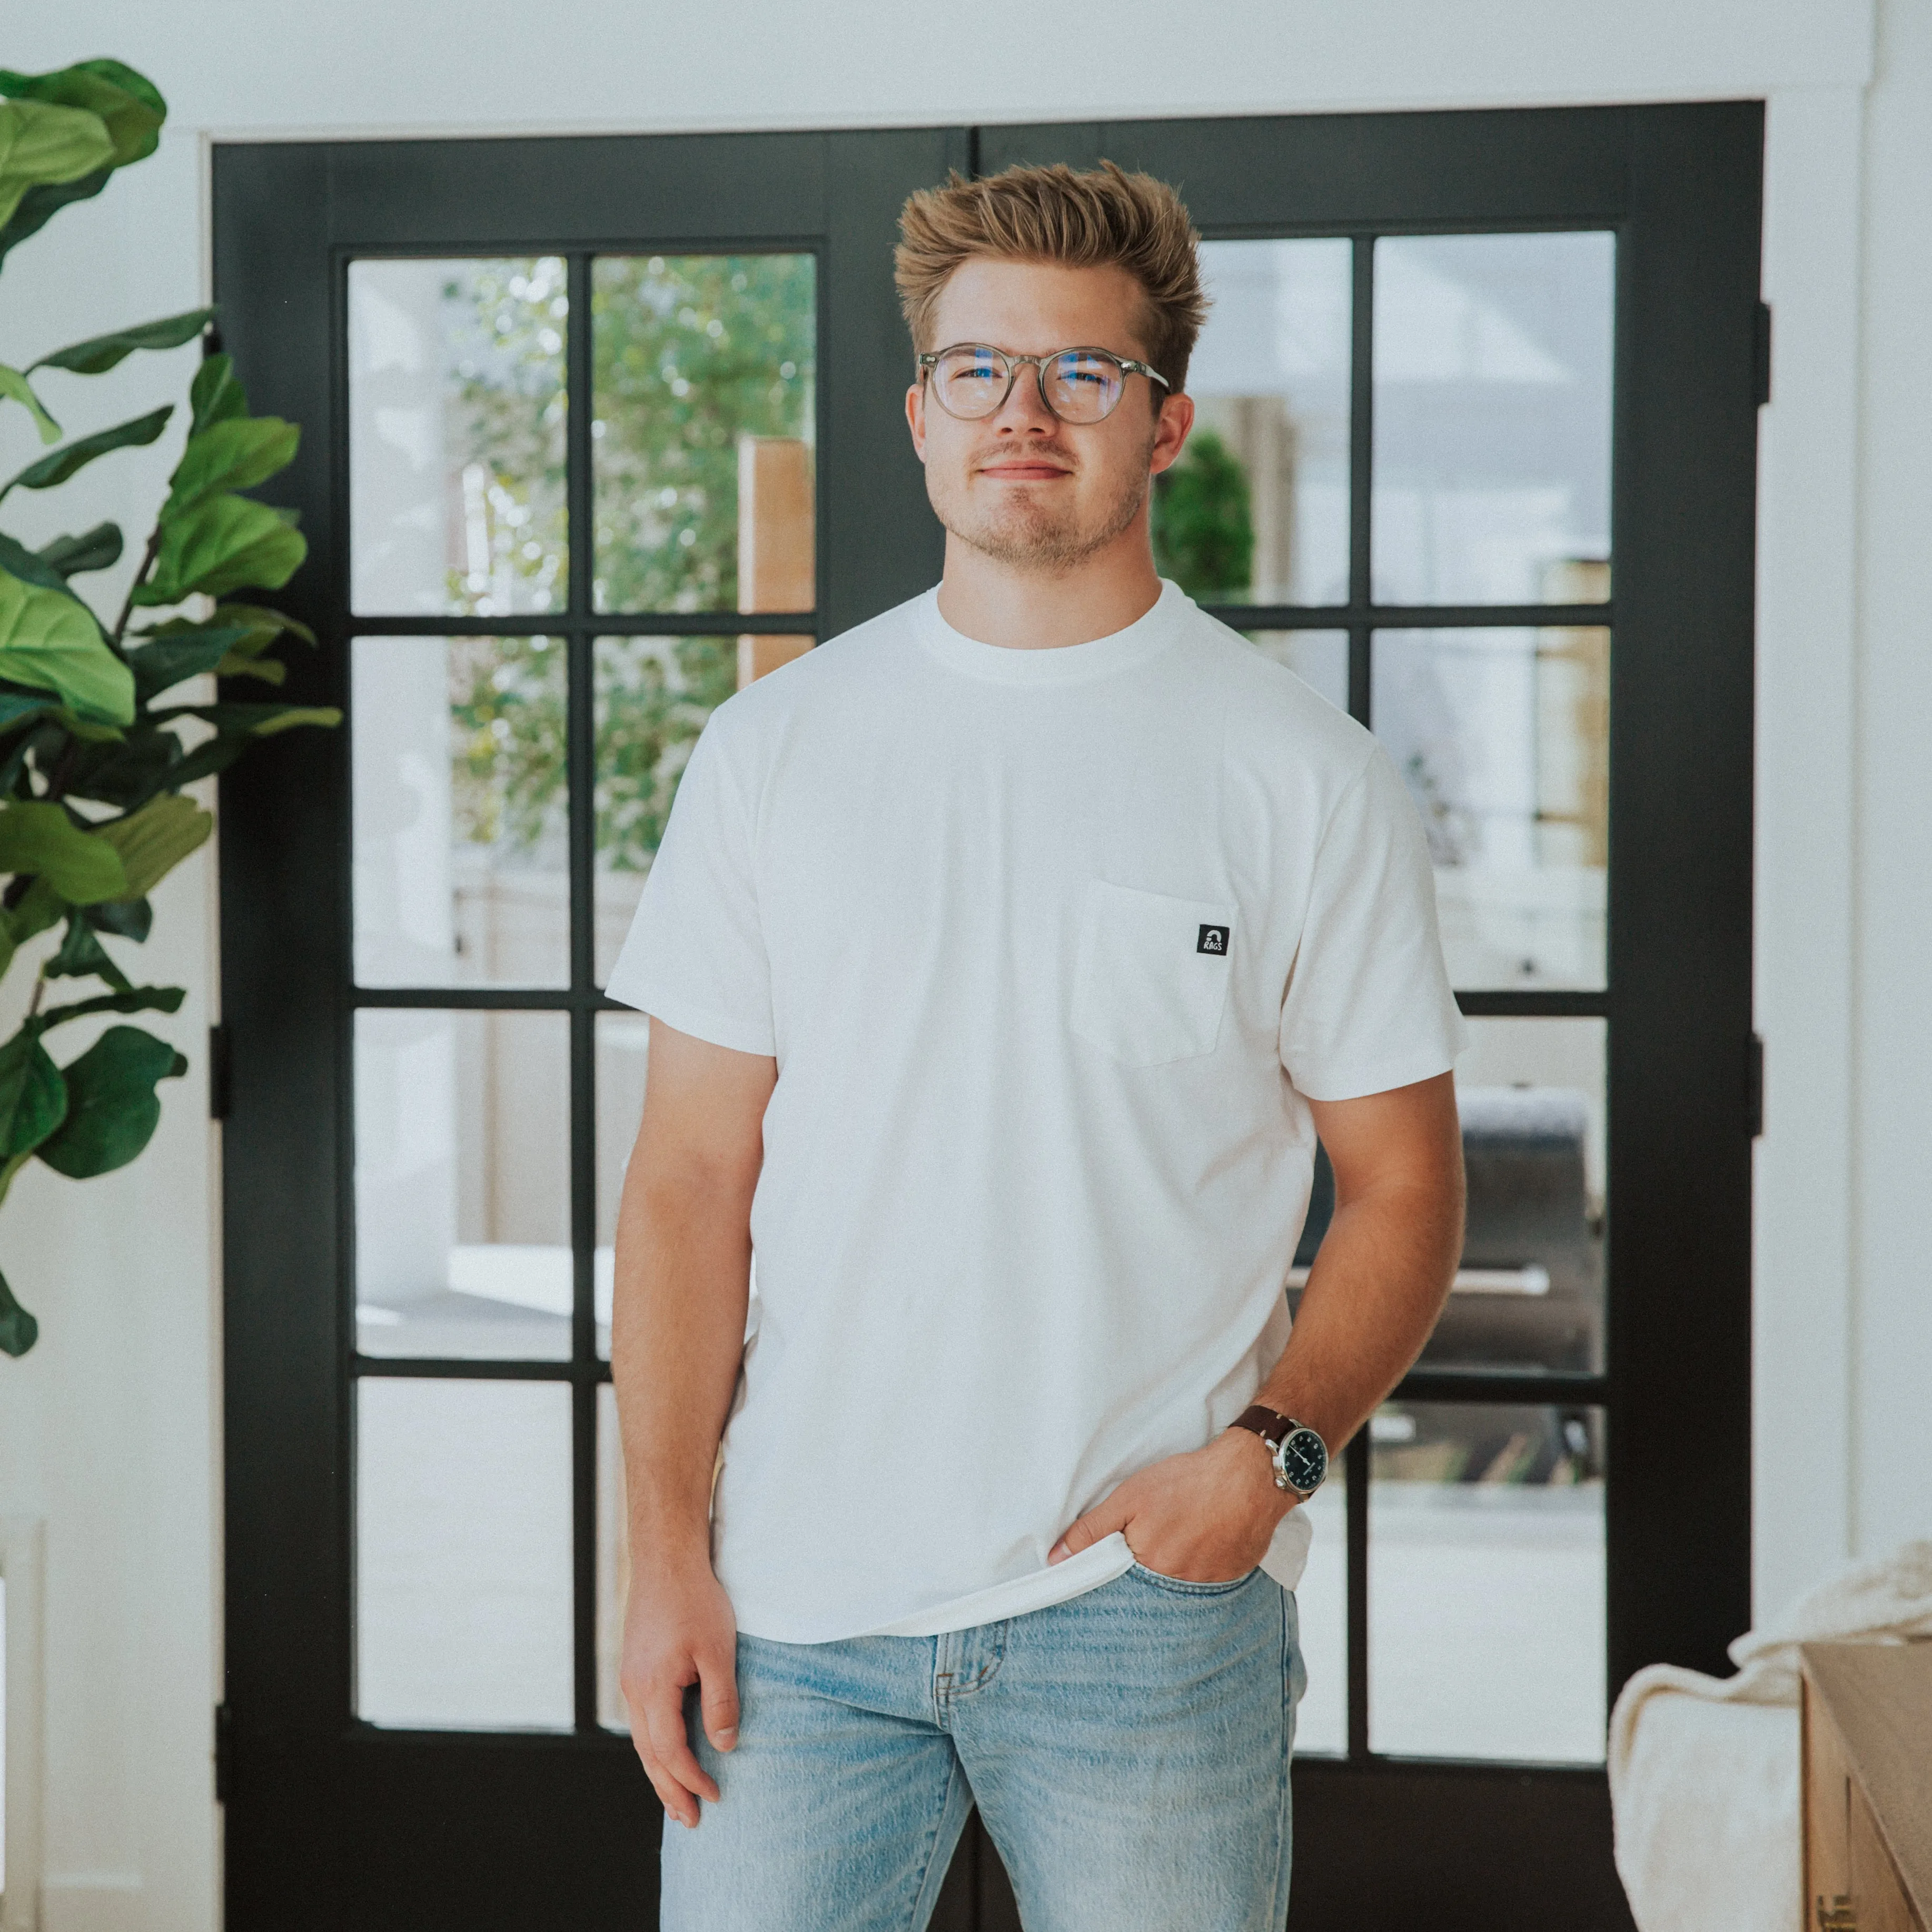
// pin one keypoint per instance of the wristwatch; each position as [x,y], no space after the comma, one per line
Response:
[1300,1456]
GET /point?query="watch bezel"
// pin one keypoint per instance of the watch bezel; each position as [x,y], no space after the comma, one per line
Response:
[1280,1459]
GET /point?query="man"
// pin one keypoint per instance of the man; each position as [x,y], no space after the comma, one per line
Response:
[1005,958]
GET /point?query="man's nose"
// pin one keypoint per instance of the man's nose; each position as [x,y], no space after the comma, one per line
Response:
[1024,413]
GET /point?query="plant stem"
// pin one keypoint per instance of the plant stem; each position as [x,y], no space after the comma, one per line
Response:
[140,576]
[40,987]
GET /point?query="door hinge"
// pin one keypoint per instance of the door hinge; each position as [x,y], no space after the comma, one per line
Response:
[1754,1086]
[218,1094]
[224,1754]
[1761,356]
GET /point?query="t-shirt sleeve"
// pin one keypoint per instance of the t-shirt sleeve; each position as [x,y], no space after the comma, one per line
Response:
[1369,1006]
[695,955]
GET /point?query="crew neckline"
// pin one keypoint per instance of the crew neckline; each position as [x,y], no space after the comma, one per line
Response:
[1059,664]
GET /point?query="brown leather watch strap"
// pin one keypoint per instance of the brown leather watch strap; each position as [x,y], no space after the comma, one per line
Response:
[1270,1424]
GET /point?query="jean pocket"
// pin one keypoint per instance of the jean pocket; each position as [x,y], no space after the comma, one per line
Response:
[1185,1586]
[1151,977]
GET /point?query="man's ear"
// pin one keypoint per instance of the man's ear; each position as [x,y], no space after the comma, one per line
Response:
[1170,433]
[915,418]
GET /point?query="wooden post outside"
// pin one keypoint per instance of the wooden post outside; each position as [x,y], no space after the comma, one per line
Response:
[776,540]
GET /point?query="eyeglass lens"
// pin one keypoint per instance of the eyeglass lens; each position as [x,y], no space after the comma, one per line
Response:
[1081,385]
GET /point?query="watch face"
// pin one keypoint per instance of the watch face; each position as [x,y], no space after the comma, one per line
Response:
[1303,1458]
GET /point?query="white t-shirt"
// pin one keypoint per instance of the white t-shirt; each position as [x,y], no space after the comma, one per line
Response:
[1052,947]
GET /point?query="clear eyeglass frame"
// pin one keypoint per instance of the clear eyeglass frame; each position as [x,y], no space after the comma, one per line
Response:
[1064,360]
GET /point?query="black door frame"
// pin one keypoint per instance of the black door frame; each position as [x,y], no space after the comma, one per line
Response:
[330,1821]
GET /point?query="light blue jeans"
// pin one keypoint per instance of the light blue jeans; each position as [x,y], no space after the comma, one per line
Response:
[1128,1750]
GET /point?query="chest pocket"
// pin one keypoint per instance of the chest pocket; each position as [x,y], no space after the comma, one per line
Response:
[1150,979]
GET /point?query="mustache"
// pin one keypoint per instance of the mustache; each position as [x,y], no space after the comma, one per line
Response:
[1038,449]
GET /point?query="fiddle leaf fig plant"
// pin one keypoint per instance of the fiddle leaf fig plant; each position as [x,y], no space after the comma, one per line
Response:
[103,724]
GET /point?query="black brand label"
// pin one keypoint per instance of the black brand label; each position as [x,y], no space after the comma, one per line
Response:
[1213,939]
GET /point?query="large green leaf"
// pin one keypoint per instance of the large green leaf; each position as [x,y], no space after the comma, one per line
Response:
[128,774]
[18,1330]
[112,1107]
[97,549]
[223,544]
[58,465]
[178,651]
[259,721]
[238,664]
[271,623]
[100,353]
[39,205]
[214,754]
[216,394]
[38,837]
[17,706]
[19,561]
[125,102]
[142,1000]
[51,641]
[42,908]
[82,956]
[236,454]
[126,919]
[154,840]
[256,628]
[130,80]
[41,143]
[33,1096]
[15,385]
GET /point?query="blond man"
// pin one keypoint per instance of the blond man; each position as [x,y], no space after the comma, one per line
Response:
[1005,958]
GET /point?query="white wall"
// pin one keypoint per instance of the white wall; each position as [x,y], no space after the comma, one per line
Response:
[109,1429]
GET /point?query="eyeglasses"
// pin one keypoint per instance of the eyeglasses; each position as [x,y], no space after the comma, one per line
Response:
[973,379]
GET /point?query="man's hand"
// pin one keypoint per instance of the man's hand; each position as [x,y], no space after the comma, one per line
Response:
[679,1630]
[1206,1517]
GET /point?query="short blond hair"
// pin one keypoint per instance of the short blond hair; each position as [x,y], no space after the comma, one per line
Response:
[1108,218]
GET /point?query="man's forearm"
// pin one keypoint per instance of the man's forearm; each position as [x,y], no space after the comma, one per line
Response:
[682,1275]
[1378,1285]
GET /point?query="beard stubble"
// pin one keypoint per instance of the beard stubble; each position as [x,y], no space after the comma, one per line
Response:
[1028,534]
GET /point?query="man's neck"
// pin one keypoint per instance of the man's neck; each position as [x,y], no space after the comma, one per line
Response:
[997,603]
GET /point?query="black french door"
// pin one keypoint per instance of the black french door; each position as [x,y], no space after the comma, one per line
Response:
[595,431]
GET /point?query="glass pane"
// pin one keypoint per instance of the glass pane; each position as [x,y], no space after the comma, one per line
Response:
[703,431]
[456,423]
[1492,417]
[1485,1583]
[461,811]
[463,1184]
[462,1570]
[623,1048]
[1256,511]
[1503,737]
[614,1563]
[1318,658]
[653,696]
[1322,1605]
